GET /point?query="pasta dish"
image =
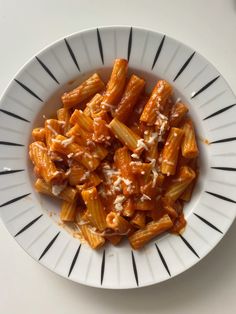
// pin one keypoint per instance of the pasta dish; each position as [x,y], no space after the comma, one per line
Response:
[123,162]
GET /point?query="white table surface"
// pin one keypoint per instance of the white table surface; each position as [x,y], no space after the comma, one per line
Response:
[27,26]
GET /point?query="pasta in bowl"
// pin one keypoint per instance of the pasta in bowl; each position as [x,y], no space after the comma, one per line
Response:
[148,195]
[118,176]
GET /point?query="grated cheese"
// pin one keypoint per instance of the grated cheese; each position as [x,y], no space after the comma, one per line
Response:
[145,197]
[155,176]
[171,163]
[135,156]
[118,207]
[118,181]
[78,154]
[137,163]
[52,129]
[162,116]
[119,201]
[68,141]
[39,146]
[61,122]
[57,189]
[160,88]
[152,138]
[106,166]
[141,144]
[127,181]
[178,100]
[175,115]
[105,105]
[85,175]
[68,172]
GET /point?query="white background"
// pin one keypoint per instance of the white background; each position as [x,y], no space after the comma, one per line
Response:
[26,26]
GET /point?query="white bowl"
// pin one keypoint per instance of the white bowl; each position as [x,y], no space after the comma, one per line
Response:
[36,90]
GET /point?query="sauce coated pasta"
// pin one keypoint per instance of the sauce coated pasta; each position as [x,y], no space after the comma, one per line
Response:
[123,162]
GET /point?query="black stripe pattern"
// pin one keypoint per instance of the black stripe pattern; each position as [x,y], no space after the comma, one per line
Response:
[100,45]
[74,260]
[202,89]
[189,246]
[208,223]
[49,72]
[224,168]
[28,225]
[130,43]
[10,171]
[163,260]
[14,115]
[221,197]
[219,112]
[26,88]
[224,140]
[158,51]
[184,66]
[134,268]
[49,246]
[14,200]
[103,265]
[10,144]
[72,54]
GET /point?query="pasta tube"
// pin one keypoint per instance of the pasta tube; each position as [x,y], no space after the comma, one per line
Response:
[116,85]
[85,138]
[68,211]
[128,208]
[186,196]
[93,107]
[156,102]
[189,145]
[118,223]
[63,115]
[95,208]
[114,239]
[177,114]
[151,138]
[82,120]
[127,136]
[38,134]
[53,127]
[171,151]
[180,183]
[139,238]
[122,160]
[101,132]
[92,237]
[39,155]
[87,89]
[68,194]
[79,153]
[131,94]
[139,219]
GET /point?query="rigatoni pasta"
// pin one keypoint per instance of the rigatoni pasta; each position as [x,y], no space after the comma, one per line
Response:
[122,162]
[88,88]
